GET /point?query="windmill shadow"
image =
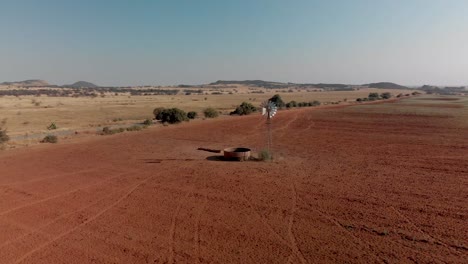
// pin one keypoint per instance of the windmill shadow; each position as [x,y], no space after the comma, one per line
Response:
[222,159]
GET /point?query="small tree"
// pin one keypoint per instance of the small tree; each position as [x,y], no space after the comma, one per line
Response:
[173,116]
[170,115]
[277,100]
[386,95]
[157,112]
[192,115]
[315,103]
[210,113]
[373,96]
[244,109]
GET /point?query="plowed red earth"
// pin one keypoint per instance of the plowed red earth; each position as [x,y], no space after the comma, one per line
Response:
[346,186]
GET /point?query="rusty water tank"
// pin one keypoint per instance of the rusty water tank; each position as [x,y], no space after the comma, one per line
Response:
[237,153]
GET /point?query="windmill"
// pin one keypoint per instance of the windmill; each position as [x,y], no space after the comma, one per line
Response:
[269,110]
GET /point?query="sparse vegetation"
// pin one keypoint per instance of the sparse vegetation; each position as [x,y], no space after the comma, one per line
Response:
[52,126]
[109,131]
[134,128]
[210,113]
[3,133]
[376,96]
[147,122]
[105,110]
[50,139]
[265,155]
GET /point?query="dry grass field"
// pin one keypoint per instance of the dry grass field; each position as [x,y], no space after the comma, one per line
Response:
[32,114]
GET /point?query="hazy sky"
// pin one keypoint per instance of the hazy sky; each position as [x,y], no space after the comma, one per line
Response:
[135,42]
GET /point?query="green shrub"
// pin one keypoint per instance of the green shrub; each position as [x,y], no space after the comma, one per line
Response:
[147,122]
[244,109]
[3,136]
[315,103]
[52,126]
[192,115]
[265,155]
[210,113]
[134,128]
[50,139]
[3,133]
[108,131]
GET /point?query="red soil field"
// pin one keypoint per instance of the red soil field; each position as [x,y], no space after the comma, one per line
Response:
[348,185]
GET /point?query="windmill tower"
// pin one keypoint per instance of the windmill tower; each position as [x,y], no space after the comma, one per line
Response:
[269,110]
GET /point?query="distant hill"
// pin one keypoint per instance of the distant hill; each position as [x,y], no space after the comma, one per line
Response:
[268,84]
[81,84]
[27,83]
[258,83]
[386,85]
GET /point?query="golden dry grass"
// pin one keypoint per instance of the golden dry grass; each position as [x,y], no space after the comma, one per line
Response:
[30,114]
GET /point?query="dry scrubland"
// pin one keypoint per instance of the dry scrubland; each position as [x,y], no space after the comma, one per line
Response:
[31,114]
[376,183]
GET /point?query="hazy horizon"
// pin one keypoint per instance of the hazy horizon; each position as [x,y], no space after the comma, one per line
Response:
[124,43]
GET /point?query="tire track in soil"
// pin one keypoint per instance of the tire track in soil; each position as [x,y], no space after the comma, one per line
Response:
[437,241]
[270,228]
[357,239]
[13,223]
[51,177]
[197,221]
[283,129]
[89,220]
[174,221]
[411,223]
[291,236]
[38,229]
[60,195]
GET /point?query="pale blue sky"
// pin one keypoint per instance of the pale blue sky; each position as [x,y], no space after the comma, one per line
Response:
[119,42]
